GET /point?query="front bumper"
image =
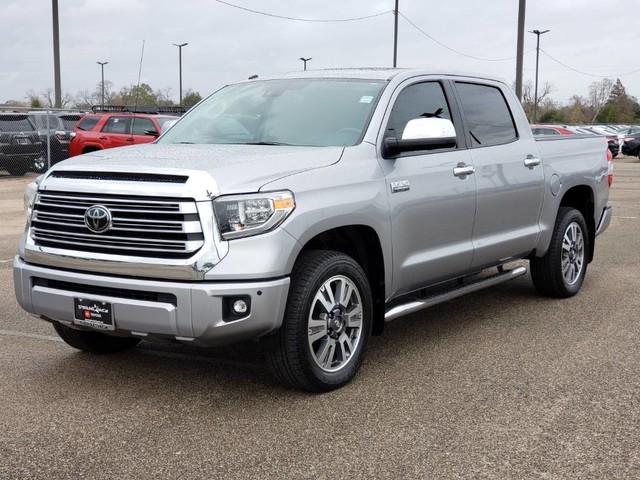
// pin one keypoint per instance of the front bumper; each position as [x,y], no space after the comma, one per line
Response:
[191,312]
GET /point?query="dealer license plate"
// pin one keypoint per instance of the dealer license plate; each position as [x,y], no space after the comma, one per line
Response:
[93,313]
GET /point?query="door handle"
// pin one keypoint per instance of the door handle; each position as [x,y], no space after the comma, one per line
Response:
[102,138]
[531,161]
[462,170]
[130,139]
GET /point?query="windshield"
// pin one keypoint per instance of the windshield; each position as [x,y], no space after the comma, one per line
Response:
[306,112]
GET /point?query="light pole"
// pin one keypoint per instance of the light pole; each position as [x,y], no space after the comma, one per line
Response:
[305,60]
[537,33]
[102,64]
[180,45]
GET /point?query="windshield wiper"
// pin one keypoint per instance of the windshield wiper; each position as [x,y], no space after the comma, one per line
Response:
[183,143]
[266,143]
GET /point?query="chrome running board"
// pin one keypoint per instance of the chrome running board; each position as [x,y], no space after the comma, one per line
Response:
[422,303]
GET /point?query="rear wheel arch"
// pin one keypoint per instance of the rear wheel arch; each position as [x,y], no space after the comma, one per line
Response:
[582,199]
[361,243]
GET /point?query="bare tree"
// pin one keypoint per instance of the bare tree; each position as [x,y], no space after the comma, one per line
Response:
[598,95]
[164,97]
[528,96]
[49,101]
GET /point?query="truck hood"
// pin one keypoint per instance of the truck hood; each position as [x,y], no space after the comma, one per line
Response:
[234,168]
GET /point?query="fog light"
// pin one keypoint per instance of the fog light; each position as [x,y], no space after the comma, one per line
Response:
[240,307]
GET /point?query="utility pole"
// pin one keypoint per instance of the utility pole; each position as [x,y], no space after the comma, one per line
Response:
[537,33]
[520,48]
[180,45]
[395,36]
[305,60]
[56,55]
[102,64]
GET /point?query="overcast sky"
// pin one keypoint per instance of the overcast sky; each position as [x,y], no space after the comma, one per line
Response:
[226,44]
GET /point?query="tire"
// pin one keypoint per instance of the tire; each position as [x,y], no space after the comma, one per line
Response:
[560,273]
[318,347]
[16,169]
[94,342]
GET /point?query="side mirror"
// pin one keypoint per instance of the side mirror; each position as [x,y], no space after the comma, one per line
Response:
[423,134]
[168,125]
[151,133]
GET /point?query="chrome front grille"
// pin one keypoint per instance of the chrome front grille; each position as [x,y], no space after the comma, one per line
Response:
[141,226]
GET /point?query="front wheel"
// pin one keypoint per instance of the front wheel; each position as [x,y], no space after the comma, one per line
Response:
[560,272]
[94,342]
[327,323]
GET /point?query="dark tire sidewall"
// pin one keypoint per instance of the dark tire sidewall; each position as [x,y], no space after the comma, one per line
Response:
[332,264]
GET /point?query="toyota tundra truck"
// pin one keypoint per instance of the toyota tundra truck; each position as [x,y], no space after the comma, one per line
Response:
[307,210]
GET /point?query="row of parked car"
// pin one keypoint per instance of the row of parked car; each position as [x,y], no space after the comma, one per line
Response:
[28,140]
[621,138]
[33,141]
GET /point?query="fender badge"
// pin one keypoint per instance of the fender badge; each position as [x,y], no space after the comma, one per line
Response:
[401,186]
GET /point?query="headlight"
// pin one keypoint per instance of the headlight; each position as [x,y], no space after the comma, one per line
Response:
[30,195]
[252,214]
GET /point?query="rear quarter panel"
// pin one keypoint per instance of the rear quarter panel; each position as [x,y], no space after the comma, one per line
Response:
[571,161]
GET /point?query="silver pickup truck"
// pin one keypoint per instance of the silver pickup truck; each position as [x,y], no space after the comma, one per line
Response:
[307,210]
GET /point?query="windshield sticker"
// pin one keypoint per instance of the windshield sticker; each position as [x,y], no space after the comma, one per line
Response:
[366,99]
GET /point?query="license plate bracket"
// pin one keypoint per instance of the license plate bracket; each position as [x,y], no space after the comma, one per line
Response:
[93,313]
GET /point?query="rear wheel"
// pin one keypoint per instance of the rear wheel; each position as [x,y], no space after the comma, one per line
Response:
[16,169]
[560,273]
[94,342]
[327,323]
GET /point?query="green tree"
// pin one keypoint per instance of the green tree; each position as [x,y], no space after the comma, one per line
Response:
[141,95]
[190,98]
[620,107]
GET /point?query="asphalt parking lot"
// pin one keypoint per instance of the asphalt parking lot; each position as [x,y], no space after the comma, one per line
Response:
[501,384]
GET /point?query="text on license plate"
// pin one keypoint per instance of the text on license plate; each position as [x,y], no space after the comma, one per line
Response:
[93,313]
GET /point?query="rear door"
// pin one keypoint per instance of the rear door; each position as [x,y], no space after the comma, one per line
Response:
[432,209]
[508,173]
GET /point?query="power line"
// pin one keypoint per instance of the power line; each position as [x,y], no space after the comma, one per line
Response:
[585,73]
[283,17]
[453,49]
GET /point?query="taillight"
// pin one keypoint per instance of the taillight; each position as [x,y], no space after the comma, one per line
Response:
[610,167]
[60,135]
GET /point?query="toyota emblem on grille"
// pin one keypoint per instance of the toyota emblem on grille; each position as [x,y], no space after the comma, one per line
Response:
[97,218]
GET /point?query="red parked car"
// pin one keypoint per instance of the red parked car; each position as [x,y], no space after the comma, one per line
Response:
[98,131]
[550,130]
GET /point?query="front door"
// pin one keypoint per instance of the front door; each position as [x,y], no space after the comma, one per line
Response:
[432,210]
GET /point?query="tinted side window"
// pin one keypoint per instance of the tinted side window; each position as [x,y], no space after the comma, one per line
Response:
[87,123]
[487,114]
[141,125]
[417,101]
[116,125]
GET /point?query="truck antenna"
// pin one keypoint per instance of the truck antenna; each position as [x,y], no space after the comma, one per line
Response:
[135,101]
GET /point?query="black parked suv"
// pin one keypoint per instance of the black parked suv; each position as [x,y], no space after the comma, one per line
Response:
[20,145]
[57,127]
